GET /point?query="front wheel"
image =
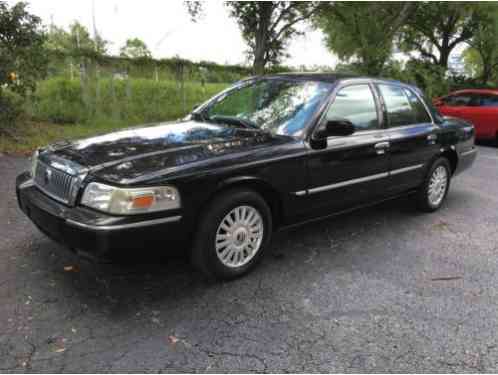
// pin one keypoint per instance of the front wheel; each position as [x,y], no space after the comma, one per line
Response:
[433,191]
[232,234]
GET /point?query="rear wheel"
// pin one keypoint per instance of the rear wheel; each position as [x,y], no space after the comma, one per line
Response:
[433,191]
[232,235]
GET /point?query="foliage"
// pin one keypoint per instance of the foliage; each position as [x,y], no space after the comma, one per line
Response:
[351,34]
[22,59]
[76,42]
[267,26]
[481,58]
[428,77]
[194,9]
[131,101]
[135,48]
[439,26]
[11,109]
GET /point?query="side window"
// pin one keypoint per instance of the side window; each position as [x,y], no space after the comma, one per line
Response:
[475,100]
[458,100]
[399,109]
[418,107]
[356,104]
[489,100]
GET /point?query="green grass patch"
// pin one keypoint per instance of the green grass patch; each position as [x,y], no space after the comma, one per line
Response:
[70,109]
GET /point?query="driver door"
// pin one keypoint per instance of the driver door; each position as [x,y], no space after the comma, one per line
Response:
[352,169]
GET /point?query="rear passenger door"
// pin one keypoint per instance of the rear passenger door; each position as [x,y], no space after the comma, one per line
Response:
[412,136]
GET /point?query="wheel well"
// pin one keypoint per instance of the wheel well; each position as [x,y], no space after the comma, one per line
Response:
[452,157]
[267,192]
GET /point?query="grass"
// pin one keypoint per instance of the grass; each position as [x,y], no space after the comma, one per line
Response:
[31,134]
[65,109]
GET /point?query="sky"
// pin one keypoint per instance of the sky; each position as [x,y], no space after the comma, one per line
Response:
[166,28]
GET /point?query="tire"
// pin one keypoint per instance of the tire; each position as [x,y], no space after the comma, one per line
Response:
[430,203]
[213,243]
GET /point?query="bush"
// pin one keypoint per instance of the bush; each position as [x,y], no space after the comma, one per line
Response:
[11,109]
[129,101]
[58,100]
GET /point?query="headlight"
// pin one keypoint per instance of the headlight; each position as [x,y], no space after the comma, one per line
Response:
[34,161]
[122,201]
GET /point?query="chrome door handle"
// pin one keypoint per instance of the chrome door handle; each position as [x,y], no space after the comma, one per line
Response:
[381,147]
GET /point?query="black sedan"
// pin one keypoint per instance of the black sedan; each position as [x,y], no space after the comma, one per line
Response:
[268,153]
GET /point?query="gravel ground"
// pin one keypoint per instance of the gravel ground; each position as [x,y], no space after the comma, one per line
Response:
[380,289]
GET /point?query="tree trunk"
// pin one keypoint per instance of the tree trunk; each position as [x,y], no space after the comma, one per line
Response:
[265,11]
[444,52]
[486,72]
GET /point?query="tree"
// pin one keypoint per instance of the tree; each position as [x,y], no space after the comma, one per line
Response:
[22,58]
[135,48]
[436,28]
[481,58]
[75,42]
[351,33]
[267,27]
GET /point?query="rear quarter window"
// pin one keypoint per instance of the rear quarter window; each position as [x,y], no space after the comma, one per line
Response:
[421,114]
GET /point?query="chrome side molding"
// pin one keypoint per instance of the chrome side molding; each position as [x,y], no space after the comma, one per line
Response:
[357,180]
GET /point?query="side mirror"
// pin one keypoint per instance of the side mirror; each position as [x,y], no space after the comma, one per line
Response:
[336,128]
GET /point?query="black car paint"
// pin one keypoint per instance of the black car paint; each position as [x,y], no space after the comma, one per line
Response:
[202,159]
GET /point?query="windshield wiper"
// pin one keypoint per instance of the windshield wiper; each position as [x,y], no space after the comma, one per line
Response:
[237,121]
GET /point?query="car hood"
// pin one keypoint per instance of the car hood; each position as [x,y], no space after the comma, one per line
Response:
[133,154]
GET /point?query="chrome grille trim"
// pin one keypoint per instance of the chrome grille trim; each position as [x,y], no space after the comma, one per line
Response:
[59,186]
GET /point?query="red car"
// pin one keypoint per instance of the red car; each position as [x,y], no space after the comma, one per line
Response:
[478,106]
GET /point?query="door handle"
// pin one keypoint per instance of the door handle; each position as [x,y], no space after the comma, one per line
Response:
[381,147]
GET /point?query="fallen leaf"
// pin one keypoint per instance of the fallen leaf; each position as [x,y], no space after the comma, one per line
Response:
[73,330]
[60,350]
[172,339]
[70,268]
[155,320]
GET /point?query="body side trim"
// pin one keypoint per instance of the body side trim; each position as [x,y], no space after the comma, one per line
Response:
[357,180]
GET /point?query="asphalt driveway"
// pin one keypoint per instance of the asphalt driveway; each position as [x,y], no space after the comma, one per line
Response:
[381,289]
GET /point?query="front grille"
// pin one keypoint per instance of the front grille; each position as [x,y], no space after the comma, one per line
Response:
[54,182]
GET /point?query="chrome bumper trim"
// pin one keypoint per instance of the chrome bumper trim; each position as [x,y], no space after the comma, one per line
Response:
[124,226]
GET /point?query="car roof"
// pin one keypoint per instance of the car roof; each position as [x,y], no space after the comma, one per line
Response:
[313,76]
[475,91]
[331,77]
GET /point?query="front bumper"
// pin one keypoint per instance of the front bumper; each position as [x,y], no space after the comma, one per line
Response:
[88,231]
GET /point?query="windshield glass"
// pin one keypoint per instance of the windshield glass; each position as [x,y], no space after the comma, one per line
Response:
[276,105]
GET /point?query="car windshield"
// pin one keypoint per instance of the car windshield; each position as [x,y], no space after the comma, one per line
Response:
[279,106]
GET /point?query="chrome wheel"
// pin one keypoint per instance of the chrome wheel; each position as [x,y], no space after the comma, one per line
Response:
[437,185]
[239,236]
